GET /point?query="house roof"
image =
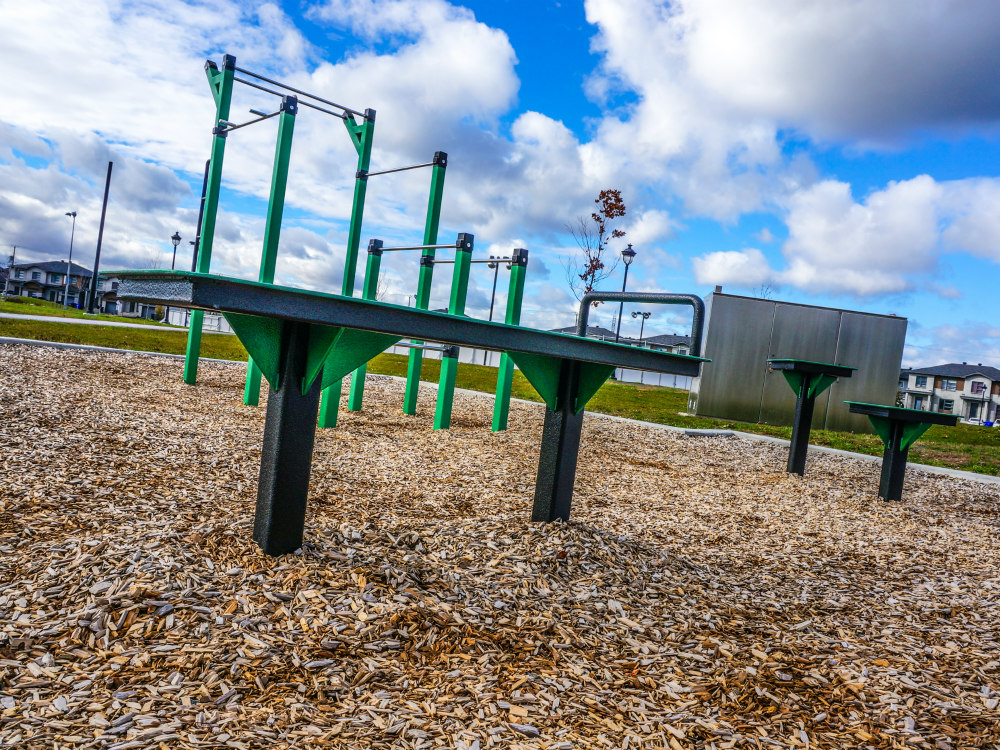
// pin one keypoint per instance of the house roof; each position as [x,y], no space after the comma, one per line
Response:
[958,370]
[56,266]
[668,339]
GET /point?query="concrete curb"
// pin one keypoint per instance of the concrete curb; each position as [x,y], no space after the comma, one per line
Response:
[958,474]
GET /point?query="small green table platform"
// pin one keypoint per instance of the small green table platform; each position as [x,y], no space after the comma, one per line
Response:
[899,428]
[808,380]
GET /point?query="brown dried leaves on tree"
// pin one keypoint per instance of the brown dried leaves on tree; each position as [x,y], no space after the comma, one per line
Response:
[592,237]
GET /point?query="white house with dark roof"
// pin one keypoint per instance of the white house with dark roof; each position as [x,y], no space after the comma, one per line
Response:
[971,392]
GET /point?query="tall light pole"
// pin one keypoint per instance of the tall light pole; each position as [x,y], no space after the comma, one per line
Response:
[628,255]
[495,265]
[176,239]
[642,325]
[69,263]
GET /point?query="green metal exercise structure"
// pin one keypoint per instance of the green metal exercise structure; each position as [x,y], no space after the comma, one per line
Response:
[456,306]
[221,84]
[272,227]
[423,298]
[505,373]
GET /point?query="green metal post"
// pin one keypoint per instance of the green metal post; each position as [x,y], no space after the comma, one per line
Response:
[423,298]
[369,291]
[221,83]
[505,373]
[456,306]
[272,227]
[361,136]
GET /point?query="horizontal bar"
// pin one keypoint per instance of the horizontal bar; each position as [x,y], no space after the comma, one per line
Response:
[277,93]
[320,109]
[424,346]
[297,91]
[419,247]
[495,260]
[401,169]
[230,126]
[222,294]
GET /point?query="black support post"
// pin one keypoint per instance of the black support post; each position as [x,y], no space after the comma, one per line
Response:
[801,426]
[890,486]
[560,448]
[286,455]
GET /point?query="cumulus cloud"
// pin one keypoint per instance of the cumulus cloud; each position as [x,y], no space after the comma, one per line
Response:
[746,267]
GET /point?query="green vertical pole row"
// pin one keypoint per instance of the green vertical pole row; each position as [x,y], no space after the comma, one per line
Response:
[361,136]
[272,226]
[369,291]
[423,298]
[456,306]
[505,373]
[221,83]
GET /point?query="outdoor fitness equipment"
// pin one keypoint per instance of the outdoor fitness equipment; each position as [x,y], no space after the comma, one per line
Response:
[517,263]
[221,83]
[330,404]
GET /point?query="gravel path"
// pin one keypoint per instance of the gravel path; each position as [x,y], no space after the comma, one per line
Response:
[700,598]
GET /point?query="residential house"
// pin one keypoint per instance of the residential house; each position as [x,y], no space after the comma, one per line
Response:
[971,392]
[47,280]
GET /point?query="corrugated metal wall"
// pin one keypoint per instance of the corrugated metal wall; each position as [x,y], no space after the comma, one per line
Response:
[742,333]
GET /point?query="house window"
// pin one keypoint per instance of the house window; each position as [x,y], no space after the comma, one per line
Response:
[948,384]
[921,381]
[19,274]
[36,275]
[100,283]
[54,278]
[978,387]
[918,403]
[946,405]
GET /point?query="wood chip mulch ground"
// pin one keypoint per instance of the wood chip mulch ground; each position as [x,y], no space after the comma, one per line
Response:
[700,598]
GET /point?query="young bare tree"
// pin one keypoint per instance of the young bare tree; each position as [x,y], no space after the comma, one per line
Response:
[592,237]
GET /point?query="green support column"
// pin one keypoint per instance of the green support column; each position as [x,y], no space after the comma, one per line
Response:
[272,227]
[423,298]
[456,306]
[369,291]
[221,83]
[505,373]
[361,136]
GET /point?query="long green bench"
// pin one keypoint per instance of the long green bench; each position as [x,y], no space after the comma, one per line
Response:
[303,341]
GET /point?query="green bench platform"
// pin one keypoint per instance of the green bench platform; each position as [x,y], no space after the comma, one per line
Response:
[899,428]
[303,341]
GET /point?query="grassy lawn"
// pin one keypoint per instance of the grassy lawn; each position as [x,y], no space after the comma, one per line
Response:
[966,447]
[32,306]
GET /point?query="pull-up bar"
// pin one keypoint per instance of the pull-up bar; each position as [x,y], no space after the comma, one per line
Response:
[459,245]
[493,260]
[305,104]
[300,93]
[401,169]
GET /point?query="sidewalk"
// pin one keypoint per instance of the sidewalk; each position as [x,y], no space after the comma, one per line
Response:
[84,321]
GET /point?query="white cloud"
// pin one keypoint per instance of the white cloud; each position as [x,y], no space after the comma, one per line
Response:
[746,267]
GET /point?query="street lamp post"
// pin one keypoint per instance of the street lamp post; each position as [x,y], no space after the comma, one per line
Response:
[176,239]
[642,325]
[69,263]
[628,255]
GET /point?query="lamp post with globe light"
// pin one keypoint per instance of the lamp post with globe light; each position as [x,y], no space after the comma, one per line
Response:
[642,325]
[628,255]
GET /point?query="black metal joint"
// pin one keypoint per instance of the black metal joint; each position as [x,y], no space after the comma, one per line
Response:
[427,261]
[362,175]
[375,247]
[519,257]
[220,131]
[370,115]
[465,242]
[229,62]
[210,65]
[289,105]
[440,159]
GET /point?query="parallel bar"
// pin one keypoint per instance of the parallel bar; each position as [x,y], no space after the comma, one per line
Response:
[559,450]
[362,136]
[272,225]
[505,372]
[482,260]
[418,247]
[302,93]
[286,454]
[221,83]
[368,291]
[426,276]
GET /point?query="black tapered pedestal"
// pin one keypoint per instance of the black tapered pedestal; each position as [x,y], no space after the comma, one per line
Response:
[286,456]
[890,486]
[801,427]
[560,449]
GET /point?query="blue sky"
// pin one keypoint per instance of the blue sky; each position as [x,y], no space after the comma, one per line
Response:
[840,154]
